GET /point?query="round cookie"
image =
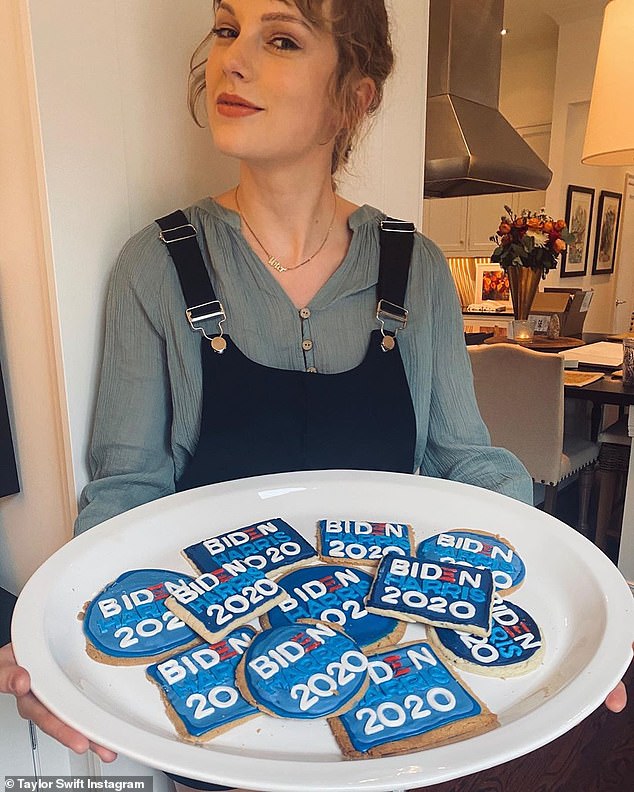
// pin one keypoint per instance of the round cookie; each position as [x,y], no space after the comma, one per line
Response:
[334,594]
[515,645]
[478,549]
[303,671]
[127,623]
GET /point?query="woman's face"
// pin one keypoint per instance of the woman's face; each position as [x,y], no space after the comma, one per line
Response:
[267,77]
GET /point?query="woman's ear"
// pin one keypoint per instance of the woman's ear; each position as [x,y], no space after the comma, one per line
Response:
[366,95]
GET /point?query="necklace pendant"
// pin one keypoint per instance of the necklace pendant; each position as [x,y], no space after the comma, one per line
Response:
[273,262]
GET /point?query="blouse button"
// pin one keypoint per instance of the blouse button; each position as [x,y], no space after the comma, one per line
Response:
[307,345]
[311,370]
[304,313]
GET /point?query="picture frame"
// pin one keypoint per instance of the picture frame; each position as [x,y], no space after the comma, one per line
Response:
[9,482]
[492,284]
[578,217]
[606,232]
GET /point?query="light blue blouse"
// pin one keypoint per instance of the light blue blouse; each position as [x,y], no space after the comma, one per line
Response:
[150,394]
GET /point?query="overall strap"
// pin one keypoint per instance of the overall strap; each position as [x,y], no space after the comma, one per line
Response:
[179,236]
[396,245]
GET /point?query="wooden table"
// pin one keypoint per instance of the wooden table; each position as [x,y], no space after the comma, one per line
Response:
[603,391]
[539,344]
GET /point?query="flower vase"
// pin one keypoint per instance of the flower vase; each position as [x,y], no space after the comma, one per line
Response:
[523,283]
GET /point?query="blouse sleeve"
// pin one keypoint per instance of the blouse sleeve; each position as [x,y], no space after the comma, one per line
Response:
[130,458]
[458,442]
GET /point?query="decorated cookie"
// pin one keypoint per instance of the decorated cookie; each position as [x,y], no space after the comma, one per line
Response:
[198,687]
[478,549]
[302,671]
[272,546]
[127,623]
[413,702]
[333,594]
[213,604]
[444,595]
[515,645]
[365,543]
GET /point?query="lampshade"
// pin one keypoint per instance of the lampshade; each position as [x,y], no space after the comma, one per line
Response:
[610,132]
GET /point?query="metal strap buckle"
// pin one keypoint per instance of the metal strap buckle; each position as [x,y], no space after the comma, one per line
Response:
[387,311]
[177,234]
[200,313]
[398,226]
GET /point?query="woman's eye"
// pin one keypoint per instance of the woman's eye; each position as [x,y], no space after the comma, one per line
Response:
[284,43]
[224,32]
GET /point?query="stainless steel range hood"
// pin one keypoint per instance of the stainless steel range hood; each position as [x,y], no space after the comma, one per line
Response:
[471,149]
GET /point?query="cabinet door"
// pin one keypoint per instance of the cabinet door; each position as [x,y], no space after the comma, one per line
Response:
[445,222]
[484,216]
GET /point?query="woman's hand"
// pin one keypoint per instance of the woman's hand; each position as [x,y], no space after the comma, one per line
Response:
[15,681]
[617,699]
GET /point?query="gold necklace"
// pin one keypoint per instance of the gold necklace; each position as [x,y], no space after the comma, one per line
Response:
[273,261]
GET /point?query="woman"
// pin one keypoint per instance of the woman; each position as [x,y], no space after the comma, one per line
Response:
[295,371]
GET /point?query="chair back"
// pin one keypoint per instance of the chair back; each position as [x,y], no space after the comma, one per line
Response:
[520,394]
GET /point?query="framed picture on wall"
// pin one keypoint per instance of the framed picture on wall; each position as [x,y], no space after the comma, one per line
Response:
[492,283]
[607,232]
[9,483]
[579,205]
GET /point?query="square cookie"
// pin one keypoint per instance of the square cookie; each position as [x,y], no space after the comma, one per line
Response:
[413,702]
[198,687]
[362,542]
[215,603]
[272,546]
[440,594]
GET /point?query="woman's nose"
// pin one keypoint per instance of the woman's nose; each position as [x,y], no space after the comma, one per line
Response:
[238,62]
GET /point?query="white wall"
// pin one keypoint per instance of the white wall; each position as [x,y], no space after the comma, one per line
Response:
[388,171]
[527,72]
[111,148]
[119,150]
[578,50]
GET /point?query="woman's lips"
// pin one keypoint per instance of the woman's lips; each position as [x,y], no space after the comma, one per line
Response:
[234,106]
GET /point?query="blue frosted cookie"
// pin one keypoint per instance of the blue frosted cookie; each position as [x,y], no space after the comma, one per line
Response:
[444,595]
[215,604]
[361,542]
[302,671]
[478,549]
[515,645]
[413,702]
[334,594]
[272,546]
[127,623]
[198,687]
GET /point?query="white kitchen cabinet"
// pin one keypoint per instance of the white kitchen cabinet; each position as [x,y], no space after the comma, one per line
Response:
[483,220]
[463,226]
[50,758]
[15,746]
[445,221]
[20,756]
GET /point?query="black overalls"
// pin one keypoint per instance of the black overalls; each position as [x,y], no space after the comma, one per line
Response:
[257,419]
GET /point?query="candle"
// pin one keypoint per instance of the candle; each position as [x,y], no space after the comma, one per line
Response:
[522,330]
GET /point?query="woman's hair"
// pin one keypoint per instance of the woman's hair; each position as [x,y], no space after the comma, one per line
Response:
[362,37]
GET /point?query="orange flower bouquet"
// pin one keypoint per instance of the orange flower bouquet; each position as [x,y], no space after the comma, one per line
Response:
[531,239]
